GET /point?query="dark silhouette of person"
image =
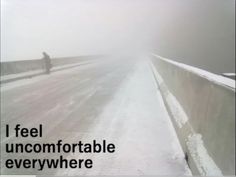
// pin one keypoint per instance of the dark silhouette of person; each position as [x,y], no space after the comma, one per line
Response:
[47,62]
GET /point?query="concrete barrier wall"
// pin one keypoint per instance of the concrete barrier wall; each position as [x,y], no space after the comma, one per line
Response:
[202,108]
[71,60]
[14,67]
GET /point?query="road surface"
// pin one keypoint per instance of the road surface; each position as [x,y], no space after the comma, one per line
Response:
[116,100]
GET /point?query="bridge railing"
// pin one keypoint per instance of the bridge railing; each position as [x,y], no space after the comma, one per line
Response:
[202,108]
[15,70]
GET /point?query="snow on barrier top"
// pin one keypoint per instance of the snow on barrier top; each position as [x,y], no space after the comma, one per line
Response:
[205,74]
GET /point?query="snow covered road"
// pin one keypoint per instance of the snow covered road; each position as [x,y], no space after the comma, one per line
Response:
[115,100]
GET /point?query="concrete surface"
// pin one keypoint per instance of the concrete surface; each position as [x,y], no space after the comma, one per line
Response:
[203,114]
[33,73]
[16,67]
[116,100]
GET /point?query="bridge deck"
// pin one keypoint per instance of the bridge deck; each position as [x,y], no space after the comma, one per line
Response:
[112,100]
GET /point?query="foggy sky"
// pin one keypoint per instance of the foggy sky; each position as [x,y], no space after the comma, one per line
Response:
[197,32]
[74,27]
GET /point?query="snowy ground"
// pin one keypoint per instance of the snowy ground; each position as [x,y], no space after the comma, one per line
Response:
[113,100]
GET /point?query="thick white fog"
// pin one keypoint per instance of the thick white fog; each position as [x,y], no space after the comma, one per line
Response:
[75,27]
[196,32]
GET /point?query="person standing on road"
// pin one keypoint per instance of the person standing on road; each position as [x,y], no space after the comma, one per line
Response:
[47,62]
